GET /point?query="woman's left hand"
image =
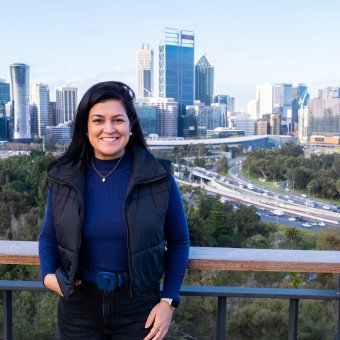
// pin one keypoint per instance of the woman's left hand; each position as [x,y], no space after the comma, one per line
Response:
[160,318]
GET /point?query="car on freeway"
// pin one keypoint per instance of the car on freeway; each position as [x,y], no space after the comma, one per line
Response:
[304,195]
[306,225]
[287,189]
[300,218]
[290,201]
[321,224]
[287,197]
[326,207]
[292,219]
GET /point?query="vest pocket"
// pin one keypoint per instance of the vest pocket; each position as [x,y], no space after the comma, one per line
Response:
[148,268]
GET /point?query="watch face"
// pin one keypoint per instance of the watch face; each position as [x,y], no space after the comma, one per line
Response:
[174,303]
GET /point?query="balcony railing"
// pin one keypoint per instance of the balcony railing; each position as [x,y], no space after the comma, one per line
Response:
[205,258]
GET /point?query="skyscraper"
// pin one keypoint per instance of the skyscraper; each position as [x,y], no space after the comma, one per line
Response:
[282,99]
[4,96]
[144,72]
[158,115]
[40,101]
[228,103]
[66,104]
[20,97]
[264,98]
[176,68]
[321,116]
[204,81]
[300,98]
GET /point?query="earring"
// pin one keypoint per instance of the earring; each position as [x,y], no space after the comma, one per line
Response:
[130,133]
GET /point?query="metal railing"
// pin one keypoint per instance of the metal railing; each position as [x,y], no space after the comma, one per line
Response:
[221,293]
[204,258]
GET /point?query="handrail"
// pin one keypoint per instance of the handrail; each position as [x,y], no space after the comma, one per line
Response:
[211,258]
[207,258]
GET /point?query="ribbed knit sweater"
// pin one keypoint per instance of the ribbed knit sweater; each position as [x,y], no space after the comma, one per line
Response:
[104,233]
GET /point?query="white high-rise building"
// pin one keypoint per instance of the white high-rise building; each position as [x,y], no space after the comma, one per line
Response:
[40,101]
[66,103]
[145,72]
[264,96]
[252,109]
[20,98]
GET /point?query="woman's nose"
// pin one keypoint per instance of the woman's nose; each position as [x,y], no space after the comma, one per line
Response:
[109,127]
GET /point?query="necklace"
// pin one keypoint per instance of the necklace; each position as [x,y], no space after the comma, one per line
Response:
[106,176]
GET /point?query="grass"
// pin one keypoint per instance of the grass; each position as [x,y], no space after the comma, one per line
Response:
[306,232]
[269,185]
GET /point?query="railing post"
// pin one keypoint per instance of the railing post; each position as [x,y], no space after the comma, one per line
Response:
[293,318]
[8,325]
[221,318]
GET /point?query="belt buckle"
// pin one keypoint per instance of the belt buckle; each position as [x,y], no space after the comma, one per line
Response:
[106,281]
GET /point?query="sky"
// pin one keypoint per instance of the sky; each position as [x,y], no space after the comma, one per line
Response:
[82,42]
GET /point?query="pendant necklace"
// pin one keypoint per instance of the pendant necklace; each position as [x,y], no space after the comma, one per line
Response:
[106,176]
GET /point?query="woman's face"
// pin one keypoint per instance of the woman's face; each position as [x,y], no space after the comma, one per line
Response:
[108,129]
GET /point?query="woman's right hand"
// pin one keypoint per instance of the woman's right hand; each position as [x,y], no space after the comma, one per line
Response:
[51,282]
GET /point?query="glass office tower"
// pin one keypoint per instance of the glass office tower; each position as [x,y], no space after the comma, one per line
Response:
[204,81]
[4,96]
[20,98]
[176,67]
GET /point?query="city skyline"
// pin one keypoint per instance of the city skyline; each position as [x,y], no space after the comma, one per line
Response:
[247,43]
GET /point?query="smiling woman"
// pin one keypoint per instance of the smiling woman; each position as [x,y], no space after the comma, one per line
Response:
[99,249]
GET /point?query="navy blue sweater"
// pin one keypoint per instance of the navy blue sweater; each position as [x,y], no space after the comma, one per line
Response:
[104,236]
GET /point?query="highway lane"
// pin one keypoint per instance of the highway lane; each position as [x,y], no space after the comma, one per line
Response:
[267,200]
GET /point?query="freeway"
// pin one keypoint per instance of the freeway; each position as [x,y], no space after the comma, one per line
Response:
[270,204]
[285,194]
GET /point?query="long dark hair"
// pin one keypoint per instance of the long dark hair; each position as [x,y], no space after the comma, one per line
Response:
[80,150]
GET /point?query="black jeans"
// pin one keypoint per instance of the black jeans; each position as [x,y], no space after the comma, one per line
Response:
[93,314]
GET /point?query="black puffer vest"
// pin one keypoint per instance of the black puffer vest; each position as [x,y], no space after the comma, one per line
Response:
[146,204]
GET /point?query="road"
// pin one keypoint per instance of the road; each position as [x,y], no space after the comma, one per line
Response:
[238,189]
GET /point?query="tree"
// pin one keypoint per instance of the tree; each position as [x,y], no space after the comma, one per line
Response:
[200,162]
[222,166]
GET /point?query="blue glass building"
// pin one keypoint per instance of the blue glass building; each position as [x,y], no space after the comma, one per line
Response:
[148,118]
[4,96]
[176,68]
[204,81]
[300,99]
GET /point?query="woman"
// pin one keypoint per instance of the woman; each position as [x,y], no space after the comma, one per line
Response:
[114,225]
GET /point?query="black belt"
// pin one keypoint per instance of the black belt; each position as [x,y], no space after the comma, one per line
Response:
[108,281]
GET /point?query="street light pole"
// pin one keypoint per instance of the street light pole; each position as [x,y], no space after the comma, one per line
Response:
[309,187]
